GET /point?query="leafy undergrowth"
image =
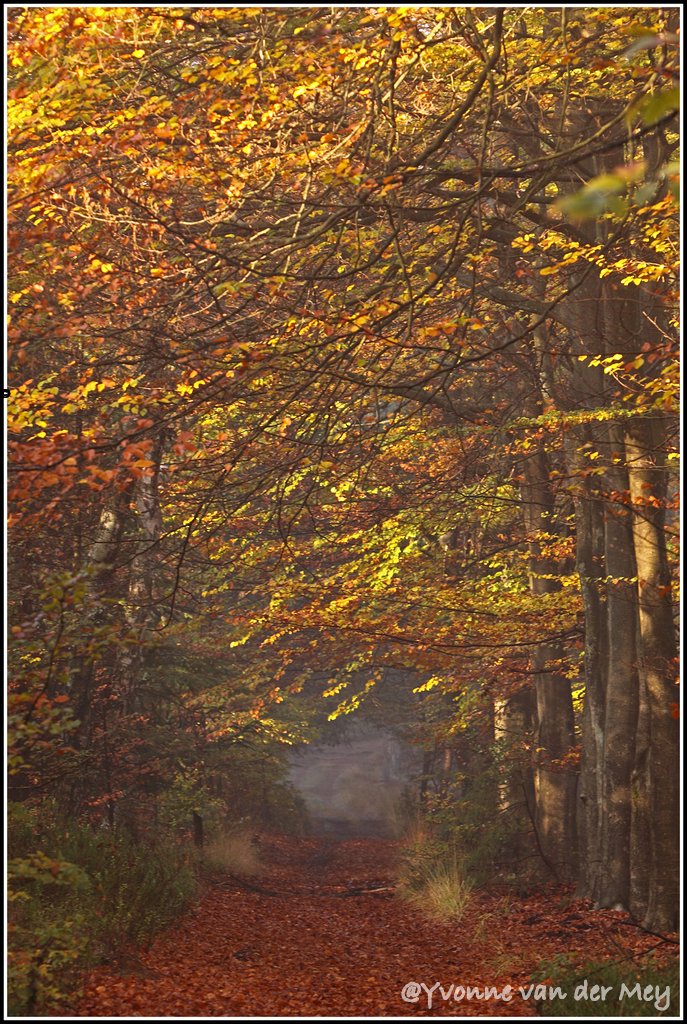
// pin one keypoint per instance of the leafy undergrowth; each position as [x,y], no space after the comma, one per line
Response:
[321,932]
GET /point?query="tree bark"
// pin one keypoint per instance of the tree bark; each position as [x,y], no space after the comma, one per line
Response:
[590,568]
[512,732]
[555,782]
[659,768]
[141,597]
[622,682]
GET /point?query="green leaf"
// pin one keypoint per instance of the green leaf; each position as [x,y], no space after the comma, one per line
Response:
[653,108]
[600,195]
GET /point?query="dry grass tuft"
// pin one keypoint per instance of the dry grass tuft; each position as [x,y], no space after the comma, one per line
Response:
[433,878]
[233,852]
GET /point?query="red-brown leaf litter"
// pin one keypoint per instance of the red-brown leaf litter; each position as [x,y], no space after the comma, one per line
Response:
[322,933]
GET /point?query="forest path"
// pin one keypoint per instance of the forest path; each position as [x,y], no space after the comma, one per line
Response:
[326,945]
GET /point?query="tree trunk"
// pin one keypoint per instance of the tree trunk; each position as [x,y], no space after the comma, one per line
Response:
[640,836]
[555,782]
[103,556]
[645,442]
[140,603]
[590,568]
[622,682]
[512,732]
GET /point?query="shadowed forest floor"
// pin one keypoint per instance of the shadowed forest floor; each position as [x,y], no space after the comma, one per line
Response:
[326,935]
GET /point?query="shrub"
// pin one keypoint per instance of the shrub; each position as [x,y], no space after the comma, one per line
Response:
[467,816]
[282,808]
[187,794]
[140,887]
[85,895]
[44,948]
[631,989]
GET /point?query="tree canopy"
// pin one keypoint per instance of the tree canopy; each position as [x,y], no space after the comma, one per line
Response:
[343,341]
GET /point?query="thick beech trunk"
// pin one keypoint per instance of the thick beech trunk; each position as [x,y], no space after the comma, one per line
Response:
[590,567]
[657,775]
[622,683]
[555,782]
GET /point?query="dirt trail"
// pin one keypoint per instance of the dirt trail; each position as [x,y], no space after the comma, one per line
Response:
[324,947]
